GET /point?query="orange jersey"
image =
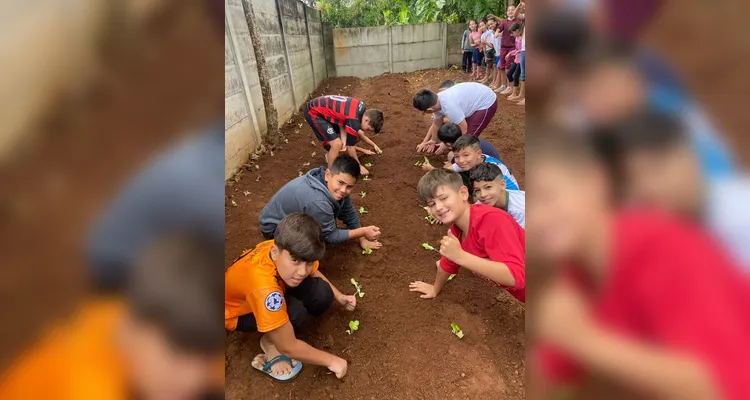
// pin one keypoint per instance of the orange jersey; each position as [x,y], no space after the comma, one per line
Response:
[253,286]
[76,361]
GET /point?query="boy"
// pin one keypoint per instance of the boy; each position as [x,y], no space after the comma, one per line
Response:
[326,116]
[468,154]
[161,341]
[449,133]
[483,239]
[445,85]
[490,189]
[324,194]
[469,105]
[273,288]
[637,303]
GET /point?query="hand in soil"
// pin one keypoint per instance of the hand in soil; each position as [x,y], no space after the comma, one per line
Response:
[338,366]
[363,170]
[348,302]
[425,288]
[426,147]
[427,167]
[367,244]
[377,150]
[442,149]
[450,247]
[372,233]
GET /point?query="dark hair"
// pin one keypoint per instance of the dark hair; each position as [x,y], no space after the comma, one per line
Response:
[435,178]
[473,20]
[446,84]
[346,164]
[449,133]
[516,26]
[467,141]
[561,33]
[300,235]
[483,20]
[175,284]
[485,172]
[424,99]
[376,119]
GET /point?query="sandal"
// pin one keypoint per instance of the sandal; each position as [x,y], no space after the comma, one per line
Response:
[261,364]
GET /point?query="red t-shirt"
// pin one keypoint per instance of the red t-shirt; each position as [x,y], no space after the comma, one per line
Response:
[507,40]
[672,285]
[495,235]
[343,111]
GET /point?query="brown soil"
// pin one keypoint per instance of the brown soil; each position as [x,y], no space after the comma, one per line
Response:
[404,348]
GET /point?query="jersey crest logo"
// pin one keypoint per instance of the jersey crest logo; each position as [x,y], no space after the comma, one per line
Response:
[274,301]
[330,130]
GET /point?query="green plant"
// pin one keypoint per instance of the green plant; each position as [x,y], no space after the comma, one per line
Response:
[362,210]
[418,163]
[426,160]
[359,292]
[368,165]
[432,220]
[450,277]
[428,247]
[366,178]
[457,331]
[353,327]
[367,251]
[363,194]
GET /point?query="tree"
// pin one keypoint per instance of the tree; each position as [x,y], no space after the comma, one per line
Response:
[272,116]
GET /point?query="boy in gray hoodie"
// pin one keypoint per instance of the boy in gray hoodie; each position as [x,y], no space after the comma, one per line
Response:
[323,194]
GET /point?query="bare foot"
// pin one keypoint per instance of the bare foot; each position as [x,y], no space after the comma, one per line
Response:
[270,351]
[522,102]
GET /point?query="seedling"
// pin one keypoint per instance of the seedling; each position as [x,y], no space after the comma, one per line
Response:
[359,292]
[362,210]
[426,160]
[366,178]
[450,277]
[418,164]
[428,247]
[257,166]
[353,327]
[456,330]
[431,219]
[367,251]
[363,194]
[300,125]
[234,203]
[368,165]
[305,164]
[313,154]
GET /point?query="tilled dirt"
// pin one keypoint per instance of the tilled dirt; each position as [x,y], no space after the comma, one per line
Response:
[404,348]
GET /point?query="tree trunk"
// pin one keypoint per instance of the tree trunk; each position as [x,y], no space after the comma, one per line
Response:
[272,117]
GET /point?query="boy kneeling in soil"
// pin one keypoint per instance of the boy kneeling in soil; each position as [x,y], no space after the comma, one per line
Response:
[484,239]
[326,115]
[490,189]
[274,287]
[468,153]
[323,194]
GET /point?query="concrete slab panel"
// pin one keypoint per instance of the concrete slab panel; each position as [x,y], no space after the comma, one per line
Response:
[432,31]
[362,70]
[361,55]
[235,108]
[232,81]
[239,142]
[432,49]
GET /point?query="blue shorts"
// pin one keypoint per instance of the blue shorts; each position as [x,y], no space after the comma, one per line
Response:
[477,57]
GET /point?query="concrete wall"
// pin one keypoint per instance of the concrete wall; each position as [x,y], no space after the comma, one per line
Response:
[366,52]
[296,62]
[455,34]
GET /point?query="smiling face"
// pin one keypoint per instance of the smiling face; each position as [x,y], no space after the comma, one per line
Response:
[448,204]
[340,185]
[472,26]
[510,12]
[491,193]
[291,270]
[468,157]
[482,27]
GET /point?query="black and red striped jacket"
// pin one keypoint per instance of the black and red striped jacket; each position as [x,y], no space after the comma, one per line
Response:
[343,111]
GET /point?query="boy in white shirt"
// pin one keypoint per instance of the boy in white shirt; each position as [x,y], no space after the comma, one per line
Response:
[490,188]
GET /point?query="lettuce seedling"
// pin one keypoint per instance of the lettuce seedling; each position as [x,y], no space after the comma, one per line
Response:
[367,251]
[368,165]
[353,327]
[366,178]
[359,292]
[426,160]
[457,331]
[418,164]
[428,247]
[362,210]
[450,277]
[431,219]
[313,154]
[363,194]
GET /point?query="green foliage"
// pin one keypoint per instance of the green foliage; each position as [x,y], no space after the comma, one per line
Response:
[357,13]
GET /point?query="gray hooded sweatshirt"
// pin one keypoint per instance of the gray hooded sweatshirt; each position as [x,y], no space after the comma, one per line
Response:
[309,194]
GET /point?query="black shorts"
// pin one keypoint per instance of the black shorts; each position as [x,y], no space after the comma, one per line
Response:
[325,131]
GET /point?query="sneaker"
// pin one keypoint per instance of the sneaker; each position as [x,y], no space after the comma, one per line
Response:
[500,89]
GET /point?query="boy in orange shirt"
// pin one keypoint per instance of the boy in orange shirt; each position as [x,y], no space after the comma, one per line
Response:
[157,343]
[272,288]
[484,239]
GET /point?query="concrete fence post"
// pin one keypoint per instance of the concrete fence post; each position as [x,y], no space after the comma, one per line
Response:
[286,53]
[390,49]
[445,43]
[234,45]
[309,49]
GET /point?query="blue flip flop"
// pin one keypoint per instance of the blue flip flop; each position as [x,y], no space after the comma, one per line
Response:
[267,364]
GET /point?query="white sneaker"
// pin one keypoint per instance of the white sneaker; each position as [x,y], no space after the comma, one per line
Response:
[500,89]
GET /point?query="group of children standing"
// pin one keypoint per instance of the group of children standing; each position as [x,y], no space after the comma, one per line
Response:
[494,52]
[274,287]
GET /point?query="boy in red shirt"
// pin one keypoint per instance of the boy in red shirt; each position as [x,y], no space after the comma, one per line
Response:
[647,304]
[483,239]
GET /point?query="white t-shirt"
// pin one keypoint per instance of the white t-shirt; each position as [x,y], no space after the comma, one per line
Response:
[461,101]
[486,37]
[728,216]
[516,206]
[497,44]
